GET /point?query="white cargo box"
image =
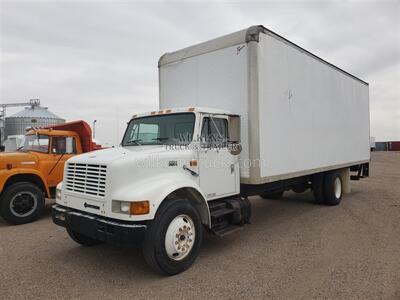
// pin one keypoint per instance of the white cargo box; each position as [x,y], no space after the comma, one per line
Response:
[299,114]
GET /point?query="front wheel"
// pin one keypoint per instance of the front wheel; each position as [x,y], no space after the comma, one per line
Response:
[173,240]
[21,203]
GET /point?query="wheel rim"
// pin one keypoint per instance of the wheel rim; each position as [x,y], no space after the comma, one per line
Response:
[180,237]
[23,204]
[338,187]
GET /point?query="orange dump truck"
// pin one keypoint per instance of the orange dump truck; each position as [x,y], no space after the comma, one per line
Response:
[31,174]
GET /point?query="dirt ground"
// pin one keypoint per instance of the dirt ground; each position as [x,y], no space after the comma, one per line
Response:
[293,249]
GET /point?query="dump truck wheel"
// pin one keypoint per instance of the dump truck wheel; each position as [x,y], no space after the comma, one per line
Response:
[82,239]
[21,203]
[172,241]
[333,188]
[275,195]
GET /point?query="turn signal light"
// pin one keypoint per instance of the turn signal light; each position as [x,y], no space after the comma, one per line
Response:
[140,208]
[193,163]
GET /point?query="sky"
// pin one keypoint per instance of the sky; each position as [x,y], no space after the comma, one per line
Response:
[98,59]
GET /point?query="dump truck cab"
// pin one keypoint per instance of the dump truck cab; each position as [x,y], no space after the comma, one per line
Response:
[31,174]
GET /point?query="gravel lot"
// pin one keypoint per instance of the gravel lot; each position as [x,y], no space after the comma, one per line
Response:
[292,249]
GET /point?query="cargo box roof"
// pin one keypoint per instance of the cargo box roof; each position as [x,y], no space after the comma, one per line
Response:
[243,36]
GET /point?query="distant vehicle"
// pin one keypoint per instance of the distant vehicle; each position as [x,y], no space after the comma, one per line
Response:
[32,173]
[372,143]
[245,114]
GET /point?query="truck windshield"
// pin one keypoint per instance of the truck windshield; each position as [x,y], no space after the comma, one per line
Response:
[160,130]
[36,142]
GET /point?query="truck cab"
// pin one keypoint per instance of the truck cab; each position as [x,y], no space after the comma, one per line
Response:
[31,174]
[173,160]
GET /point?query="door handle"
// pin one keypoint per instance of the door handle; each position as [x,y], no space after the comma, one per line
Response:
[232,168]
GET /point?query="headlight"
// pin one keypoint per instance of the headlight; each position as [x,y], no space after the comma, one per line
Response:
[131,208]
[125,207]
[58,194]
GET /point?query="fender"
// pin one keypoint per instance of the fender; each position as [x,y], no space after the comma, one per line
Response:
[5,175]
[156,190]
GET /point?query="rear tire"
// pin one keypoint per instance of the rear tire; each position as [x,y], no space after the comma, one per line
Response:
[318,187]
[333,188]
[274,195]
[173,240]
[82,239]
[21,203]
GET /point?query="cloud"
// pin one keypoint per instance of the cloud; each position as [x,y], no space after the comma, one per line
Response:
[98,60]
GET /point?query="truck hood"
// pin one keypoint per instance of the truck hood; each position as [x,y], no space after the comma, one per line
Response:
[106,156]
[17,159]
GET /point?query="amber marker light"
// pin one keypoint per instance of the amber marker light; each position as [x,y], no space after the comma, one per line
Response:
[193,163]
[153,112]
[191,109]
[168,111]
[140,207]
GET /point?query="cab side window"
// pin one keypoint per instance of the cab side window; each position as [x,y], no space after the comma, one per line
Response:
[214,130]
[63,145]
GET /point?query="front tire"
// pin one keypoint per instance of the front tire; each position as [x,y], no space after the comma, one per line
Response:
[173,240]
[21,203]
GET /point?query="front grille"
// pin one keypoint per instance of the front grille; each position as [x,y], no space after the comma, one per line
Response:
[86,179]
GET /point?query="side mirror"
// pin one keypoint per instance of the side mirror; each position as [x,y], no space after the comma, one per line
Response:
[234,129]
[234,148]
[234,145]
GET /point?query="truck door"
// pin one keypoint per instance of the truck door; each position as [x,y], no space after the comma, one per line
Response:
[62,148]
[219,170]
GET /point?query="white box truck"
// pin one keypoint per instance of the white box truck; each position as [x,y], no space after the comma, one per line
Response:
[245,114]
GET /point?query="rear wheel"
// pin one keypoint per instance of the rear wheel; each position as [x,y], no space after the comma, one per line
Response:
[21,203]
[274,195]
[82,239]
[173,239]
[333,188]
[318,187]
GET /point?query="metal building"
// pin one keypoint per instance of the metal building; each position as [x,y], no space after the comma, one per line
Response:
[33,116]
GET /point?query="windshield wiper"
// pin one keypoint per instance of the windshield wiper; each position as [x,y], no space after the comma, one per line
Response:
[135,141]
[161,139]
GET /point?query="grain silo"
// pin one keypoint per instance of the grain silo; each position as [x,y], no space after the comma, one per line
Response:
[32,116]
